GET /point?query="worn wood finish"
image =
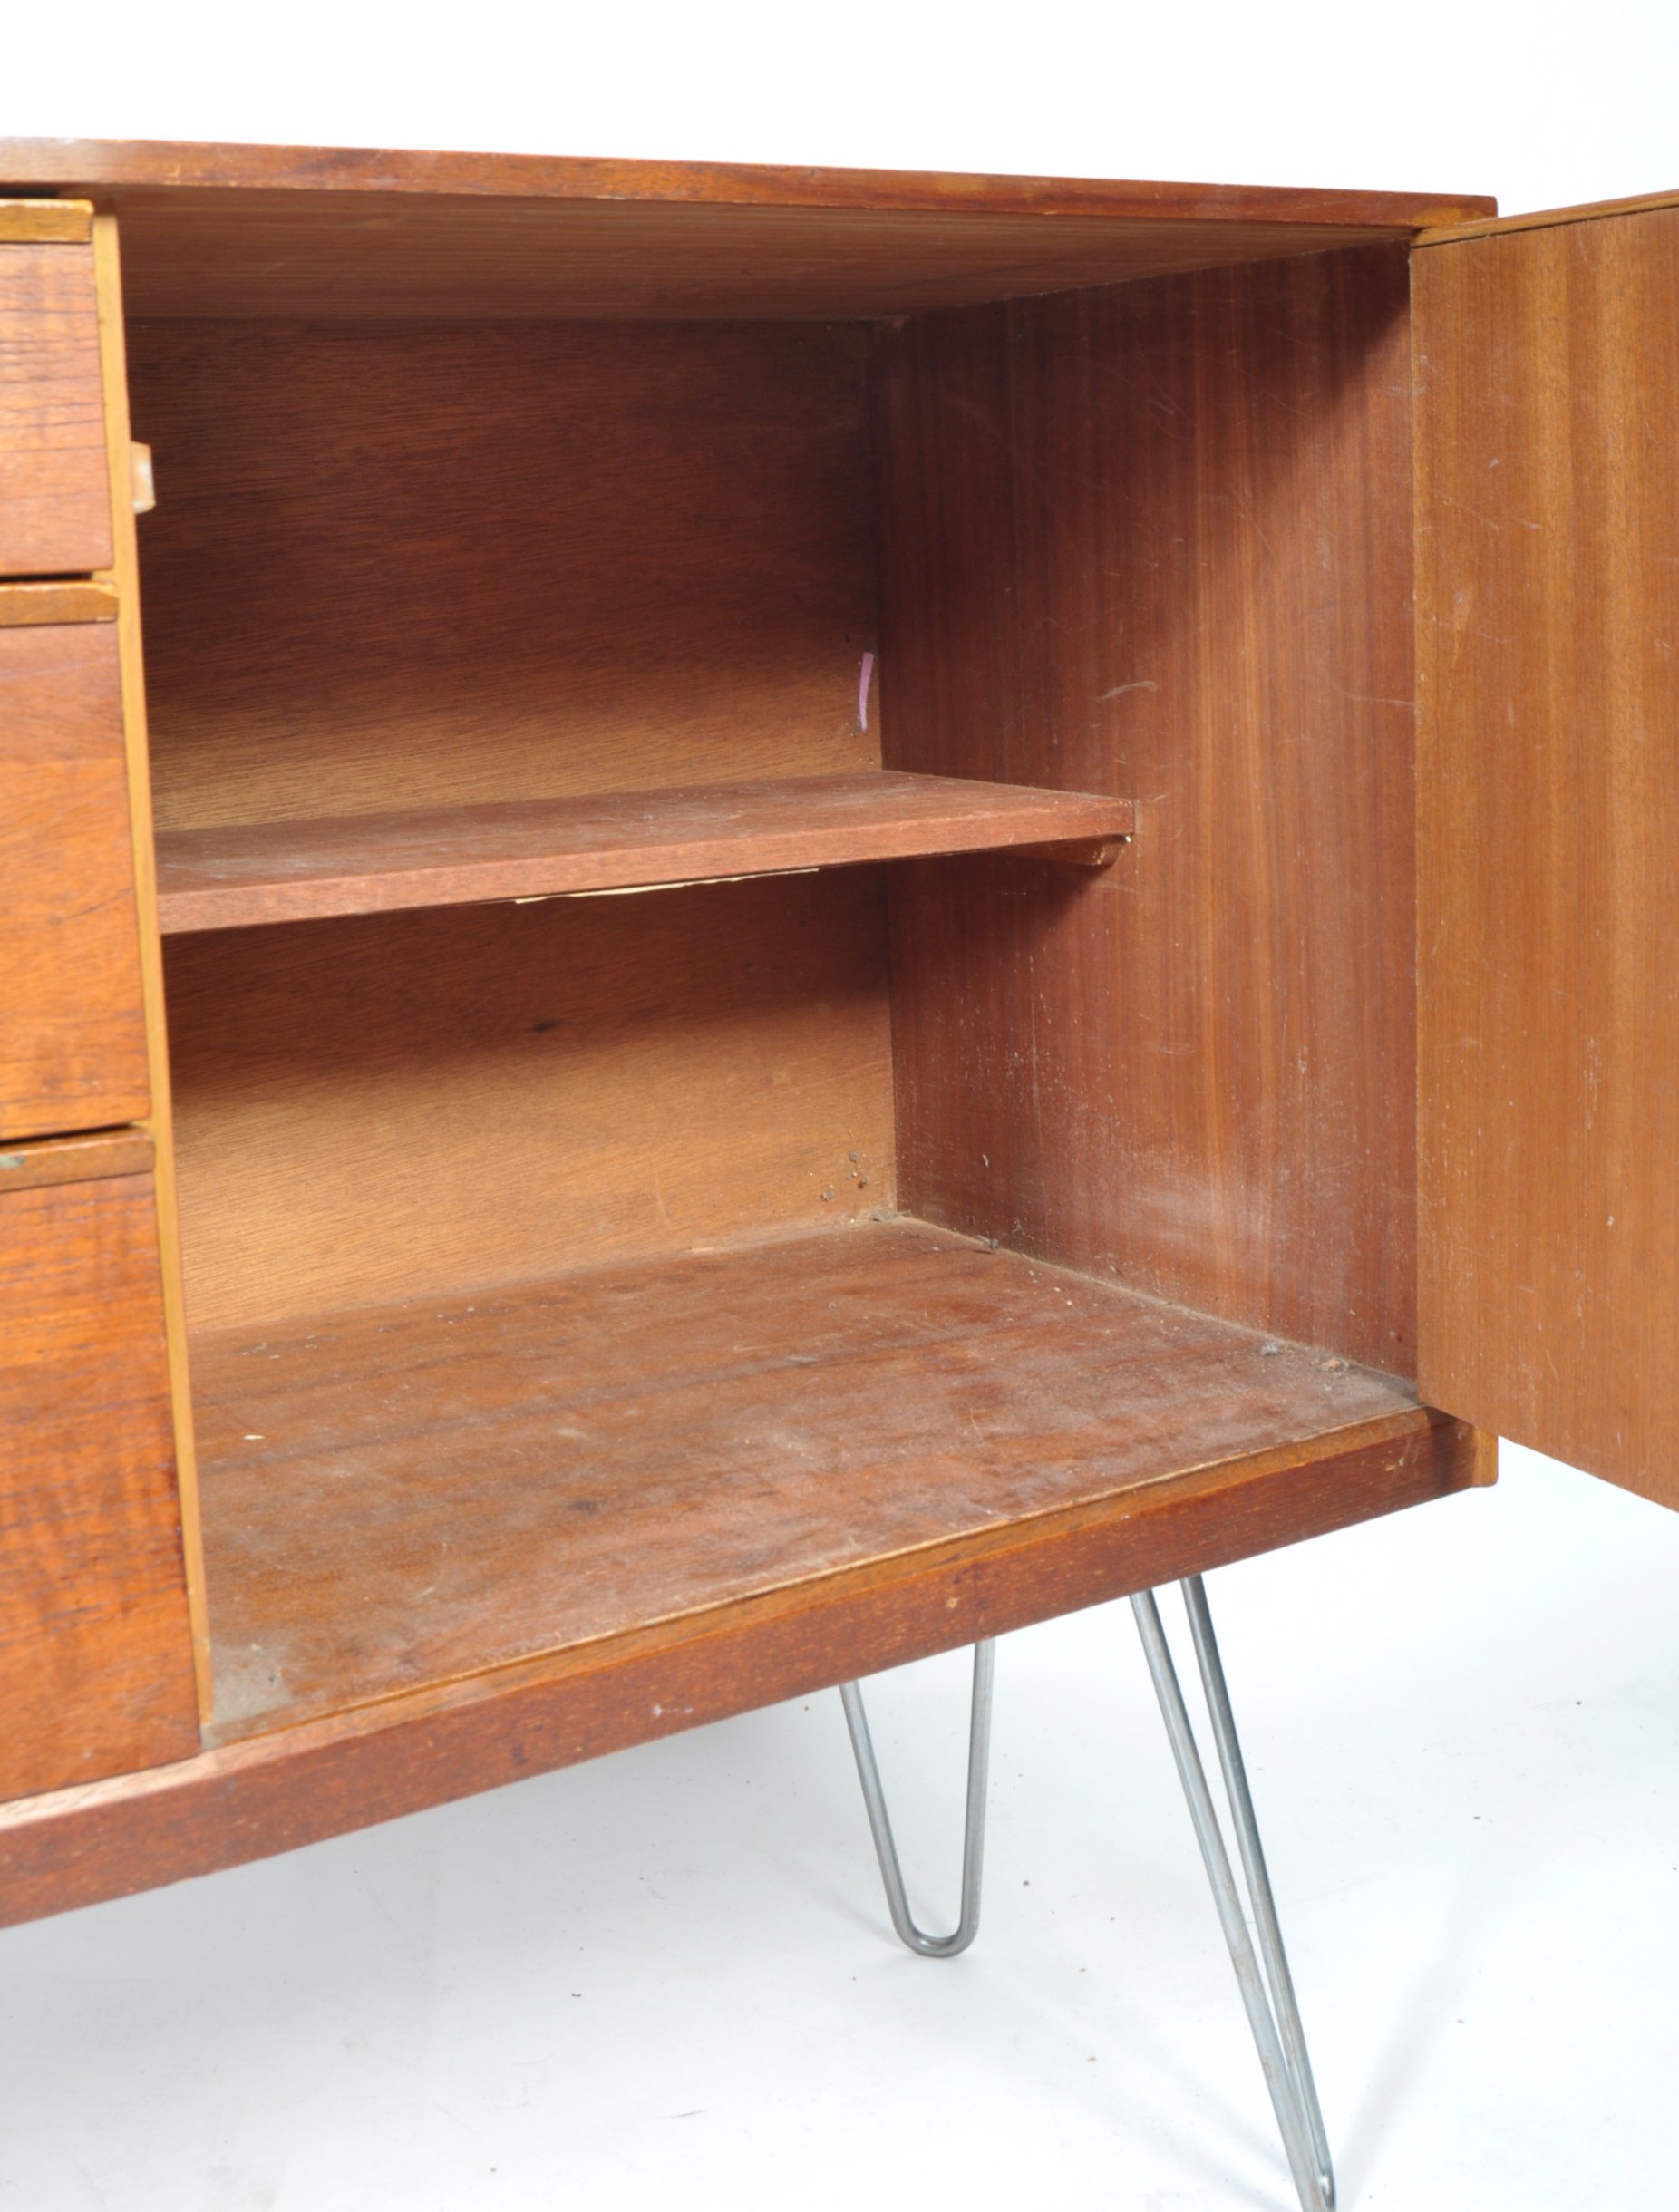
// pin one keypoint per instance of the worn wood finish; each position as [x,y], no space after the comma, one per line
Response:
[77,1159]
[1157,540]
[431,566]
[1547,218]
[409,1105]
[27,605]
[45,222]
[424,1490]
[188,166]
[1549,529]
[307,231]
[54,506]
[95,1652]
[294,1786]
[73,1043]
[372,863]
[125,576]
[408,563]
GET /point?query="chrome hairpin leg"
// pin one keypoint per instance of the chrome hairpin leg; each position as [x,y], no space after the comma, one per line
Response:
[1274,2019]
[974,1838]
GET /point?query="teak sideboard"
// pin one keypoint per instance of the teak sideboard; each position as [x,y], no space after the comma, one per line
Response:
[831,910]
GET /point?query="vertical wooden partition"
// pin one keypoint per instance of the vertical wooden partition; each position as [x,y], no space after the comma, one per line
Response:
[1156,539]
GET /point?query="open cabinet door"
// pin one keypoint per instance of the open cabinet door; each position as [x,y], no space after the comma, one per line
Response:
[1547,517]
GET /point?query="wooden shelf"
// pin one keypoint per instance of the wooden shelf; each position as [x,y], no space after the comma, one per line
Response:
[606,1464]
[287,871]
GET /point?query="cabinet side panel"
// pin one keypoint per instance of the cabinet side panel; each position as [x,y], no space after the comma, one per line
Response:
[95,1651]
[1549,789]
[72,1040]
[1156,540]
[54,509]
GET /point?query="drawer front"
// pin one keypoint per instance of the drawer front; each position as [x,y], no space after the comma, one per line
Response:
[55,491]
[95,1650]
[72,1040]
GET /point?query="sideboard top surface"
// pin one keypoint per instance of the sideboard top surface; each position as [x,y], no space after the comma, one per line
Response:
[276,230]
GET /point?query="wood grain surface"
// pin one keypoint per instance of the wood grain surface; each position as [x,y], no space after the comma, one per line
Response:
[55,508]
[1548,586]
[1156,541]
[273,1792]
[374,863]
[1545,219]
[72,1042]
[24,606]
[95,1652]
[45,222]
[125,578]
[351,256]
[342,232]
[431,566]
[425,1103]
[423,1490]
[77,1159]
[187,166]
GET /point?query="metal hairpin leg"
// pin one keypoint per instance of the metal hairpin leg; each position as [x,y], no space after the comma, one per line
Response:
[1275,2020]
[974,1838]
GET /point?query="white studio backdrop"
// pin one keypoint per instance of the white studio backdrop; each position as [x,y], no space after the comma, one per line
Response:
[1542,102]
[667,1977]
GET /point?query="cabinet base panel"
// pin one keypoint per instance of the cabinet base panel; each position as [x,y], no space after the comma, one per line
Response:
[1176,1444]
[408,1494]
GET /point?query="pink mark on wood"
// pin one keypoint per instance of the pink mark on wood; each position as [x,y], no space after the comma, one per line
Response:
[865,676]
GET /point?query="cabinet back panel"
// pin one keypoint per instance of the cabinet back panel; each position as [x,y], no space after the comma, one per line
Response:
[401,1105]
[416,564]
[1156,540]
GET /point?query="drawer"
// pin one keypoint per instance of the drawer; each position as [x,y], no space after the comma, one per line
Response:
[95,1650]
[55,489]
[72,1038]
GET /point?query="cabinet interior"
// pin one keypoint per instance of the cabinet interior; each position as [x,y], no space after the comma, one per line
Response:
[559,1258]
